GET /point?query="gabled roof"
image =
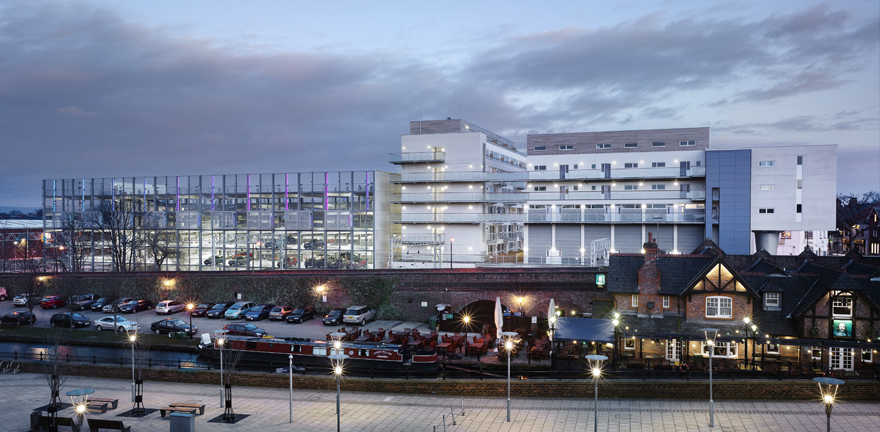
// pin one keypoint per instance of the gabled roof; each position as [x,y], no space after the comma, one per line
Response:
[775,322]
[830,281]
[861,269]
[676,272]
[710,264]
[708,247]
[623,273]
[765,267]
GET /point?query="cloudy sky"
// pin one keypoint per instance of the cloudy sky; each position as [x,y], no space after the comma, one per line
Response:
[112,88]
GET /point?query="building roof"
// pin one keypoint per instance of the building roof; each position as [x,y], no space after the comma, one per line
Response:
[623,273]
[677,272]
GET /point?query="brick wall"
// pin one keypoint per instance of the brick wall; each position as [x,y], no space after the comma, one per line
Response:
[496,388]
[696,307]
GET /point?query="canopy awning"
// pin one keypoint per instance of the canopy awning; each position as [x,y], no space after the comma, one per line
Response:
[584,329]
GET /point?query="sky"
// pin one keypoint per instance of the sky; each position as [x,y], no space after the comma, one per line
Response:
[132,88]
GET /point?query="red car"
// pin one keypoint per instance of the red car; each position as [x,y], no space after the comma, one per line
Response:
[52,302]
[244,329]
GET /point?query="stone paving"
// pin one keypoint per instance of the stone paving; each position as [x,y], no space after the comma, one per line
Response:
[268,410]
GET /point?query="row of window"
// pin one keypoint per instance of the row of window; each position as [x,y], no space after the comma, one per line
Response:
[722,307]
[625,145]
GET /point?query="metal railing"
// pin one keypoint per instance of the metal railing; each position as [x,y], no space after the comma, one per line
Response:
[417,157]
[553,175]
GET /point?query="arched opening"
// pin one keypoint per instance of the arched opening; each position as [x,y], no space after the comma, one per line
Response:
[480,313]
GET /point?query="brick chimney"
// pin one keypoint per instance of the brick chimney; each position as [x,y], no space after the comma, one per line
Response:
[649,280]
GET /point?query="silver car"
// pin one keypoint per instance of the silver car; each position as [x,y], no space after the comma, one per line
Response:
[107,323]
[169,306]
[237,310]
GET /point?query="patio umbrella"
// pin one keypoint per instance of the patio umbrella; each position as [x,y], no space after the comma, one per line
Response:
[551,312]
[499,318]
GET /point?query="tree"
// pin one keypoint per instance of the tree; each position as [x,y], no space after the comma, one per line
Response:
[158,248]
[70,289]
[120,224]
[53,370]
[71,247]
[852,213]
[231,360]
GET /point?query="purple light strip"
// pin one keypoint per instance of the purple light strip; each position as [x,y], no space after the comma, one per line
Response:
[178,193]
[249,192]
[286,192]
[368,191]
[82,202]
[113,194]
[53,195]
[212,193]
[145,194]
[326,189]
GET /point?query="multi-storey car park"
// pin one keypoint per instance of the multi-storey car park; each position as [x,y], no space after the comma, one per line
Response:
[464,196]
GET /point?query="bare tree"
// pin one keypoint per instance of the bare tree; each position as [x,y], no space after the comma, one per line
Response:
[53,370]
[111,289]
[158,248]
[70,289]
[120,224]
[231,360]
[140,352]
[71,244]
[852,213]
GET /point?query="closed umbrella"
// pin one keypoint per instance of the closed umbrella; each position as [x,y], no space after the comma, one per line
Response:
[499,319]
[551,313]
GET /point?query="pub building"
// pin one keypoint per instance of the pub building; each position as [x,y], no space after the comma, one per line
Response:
[801,312]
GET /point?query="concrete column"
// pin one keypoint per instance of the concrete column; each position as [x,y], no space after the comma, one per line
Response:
[675,238]
[769,240]
[612,238]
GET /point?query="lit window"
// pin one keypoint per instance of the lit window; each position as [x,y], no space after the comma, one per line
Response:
[767,187]
[635,300]
[719,307]
[772,348]
[842,306]
[771,300]
[722,349]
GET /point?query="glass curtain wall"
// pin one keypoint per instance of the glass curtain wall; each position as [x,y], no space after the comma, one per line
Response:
[315,220]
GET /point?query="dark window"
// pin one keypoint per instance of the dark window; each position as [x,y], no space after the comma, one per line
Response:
[687,143]
[566,147]
[603,146]
[658,144]
[799,208]
[800,160]
[658,164]
[631,165]
[541,148]
[630,145]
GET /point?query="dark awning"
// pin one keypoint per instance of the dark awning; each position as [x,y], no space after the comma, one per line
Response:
[584,329]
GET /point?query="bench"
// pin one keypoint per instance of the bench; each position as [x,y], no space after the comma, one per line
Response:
[170,409]
[46,422]
[112,402]
[200,407]
[97,405]
[97,424]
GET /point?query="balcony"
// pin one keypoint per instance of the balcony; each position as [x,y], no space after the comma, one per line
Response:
[635,217]
[416,157]
[474,218]
[548,175]
[456,197]
[570,195]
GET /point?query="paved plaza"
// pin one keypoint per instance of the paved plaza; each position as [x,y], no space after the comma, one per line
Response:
[268,410]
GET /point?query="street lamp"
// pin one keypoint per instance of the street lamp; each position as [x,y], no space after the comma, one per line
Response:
[750,325]
[221,339]
[336,360]
[508,345]
[828,393]
[552,331]
[616,323]
[132,339]
[711,333]
[290,374]
[595,363]
[450,252]
[189,307]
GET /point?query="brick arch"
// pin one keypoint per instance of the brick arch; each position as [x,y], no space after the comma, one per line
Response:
[481,312]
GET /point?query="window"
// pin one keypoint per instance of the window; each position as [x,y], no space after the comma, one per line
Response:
[631,165]
[322,351]
[540,167]
[698,163]
[673,349]
[768,187]
[866,353]
[540,188]
[665,302]
[635,300]
[771,300]
[542,148]
[816,353]
[592,187]
[630,187]
[630,145]
[842,306]
[629,343]
[722,349]
[798,210]
[658,164]
[574,166]
[767,163]
[658,144]
[658,187]
[593,166]
[800,160]
[765,211]
[566,147]
[800,184]
[772,348]
[603,146]
[687,143]
[719,307]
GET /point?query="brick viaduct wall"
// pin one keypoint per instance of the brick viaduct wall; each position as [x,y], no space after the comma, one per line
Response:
[853,390]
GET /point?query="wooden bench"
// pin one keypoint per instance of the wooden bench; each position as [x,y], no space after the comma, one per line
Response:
[170,409]
[97,424]
[92,404]
[200,407]
[46,422]
[112,402]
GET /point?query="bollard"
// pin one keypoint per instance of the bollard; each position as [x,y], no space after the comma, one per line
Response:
[444,423]
[452,411]
[15,355]
[462,406]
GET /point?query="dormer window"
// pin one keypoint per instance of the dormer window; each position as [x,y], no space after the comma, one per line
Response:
[772,300]
[841,306]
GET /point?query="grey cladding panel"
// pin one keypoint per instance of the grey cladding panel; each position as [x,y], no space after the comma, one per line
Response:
[628,238]
[568,240]
[595,232]
[539,240]
[663,238]
[585,142]
[689,237]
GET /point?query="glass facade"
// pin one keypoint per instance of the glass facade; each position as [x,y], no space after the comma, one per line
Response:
[321,220]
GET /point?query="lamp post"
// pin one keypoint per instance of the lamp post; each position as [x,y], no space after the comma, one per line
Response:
[336,360]
[132,339]
[552,330]
[290,371]
[508,345]
[616,323]
[189,308]
[711,333]
[450,252]
[828,394]
[754,328]
[595,362]
[221,339]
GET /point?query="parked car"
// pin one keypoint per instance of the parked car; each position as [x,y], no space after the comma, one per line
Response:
[302,314]
[169,325]
[239,261]
[53,302]
[358,315]
[86,301]
[68,319]
[244,329]
[168,307]
[19,318]
[289,262]
[280,312]
[99,304]
[238,310]
[201,309]
[3,295]
[334,317]
[258,312]
[313,244]
[218,310]
[121,323]
[218,258]
[108,308]
[136,305]
[22,299]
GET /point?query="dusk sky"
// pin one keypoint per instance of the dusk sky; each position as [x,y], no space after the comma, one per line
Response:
[135,88]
